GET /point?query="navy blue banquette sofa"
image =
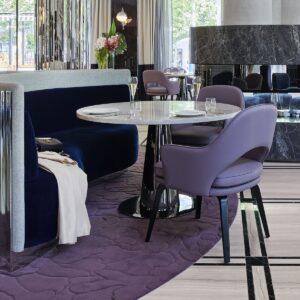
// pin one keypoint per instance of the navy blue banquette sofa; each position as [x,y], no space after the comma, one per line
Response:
[51,99]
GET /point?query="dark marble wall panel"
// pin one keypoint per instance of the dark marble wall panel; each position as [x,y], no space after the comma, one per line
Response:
[286,143]
[246,44]
[129,59]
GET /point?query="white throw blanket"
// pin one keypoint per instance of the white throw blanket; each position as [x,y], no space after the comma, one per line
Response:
[73,220]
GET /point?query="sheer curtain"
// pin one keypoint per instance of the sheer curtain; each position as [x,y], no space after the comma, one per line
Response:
[101,21]
[163,35]
[146,27]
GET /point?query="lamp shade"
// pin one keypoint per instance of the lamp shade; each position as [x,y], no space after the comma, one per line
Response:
[122,16]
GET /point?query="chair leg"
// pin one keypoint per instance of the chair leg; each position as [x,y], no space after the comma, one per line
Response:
[255,191]
[223,201]
[242,196]
[155,207]
[198,203]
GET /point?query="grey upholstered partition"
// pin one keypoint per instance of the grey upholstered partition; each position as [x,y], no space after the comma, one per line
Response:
[12,87]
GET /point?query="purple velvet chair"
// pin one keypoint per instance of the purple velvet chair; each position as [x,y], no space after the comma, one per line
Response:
[201,135]
[157,84]
[232,163]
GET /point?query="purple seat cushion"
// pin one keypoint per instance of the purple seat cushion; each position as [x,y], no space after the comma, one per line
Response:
[239,173]
[195,135]
[157,90]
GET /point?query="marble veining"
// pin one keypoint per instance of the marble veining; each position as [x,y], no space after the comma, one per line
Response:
[286,143]
[246,44]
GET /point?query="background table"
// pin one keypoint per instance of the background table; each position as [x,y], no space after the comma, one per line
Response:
[182,77]
[159,115]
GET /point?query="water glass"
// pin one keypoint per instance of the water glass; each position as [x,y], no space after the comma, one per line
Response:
[210,105]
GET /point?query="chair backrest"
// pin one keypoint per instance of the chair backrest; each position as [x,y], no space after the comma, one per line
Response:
[249,134]
[281,81]
[223,94]
[154,78]
[254,81]
[240,83]
[223,78]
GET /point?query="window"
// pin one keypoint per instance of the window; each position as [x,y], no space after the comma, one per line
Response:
[17,35]
[186,14]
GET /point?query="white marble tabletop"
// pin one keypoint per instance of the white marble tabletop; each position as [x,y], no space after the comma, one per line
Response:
[157,113]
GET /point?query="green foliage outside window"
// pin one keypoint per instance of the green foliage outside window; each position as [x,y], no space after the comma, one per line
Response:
[187,13]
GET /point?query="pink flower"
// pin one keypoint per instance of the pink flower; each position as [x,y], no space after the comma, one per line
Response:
[101,43]
[112,43]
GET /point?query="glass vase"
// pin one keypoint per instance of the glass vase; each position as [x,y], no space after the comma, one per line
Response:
[103,62]
[111,60]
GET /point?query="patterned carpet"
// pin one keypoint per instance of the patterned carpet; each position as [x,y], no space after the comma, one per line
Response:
[115,262]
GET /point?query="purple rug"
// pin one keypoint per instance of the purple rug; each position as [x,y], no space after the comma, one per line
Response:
[115,262]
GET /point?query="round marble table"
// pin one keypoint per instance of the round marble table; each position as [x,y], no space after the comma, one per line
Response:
[158,115]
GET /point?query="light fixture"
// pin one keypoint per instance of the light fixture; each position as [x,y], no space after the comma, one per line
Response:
[122,18]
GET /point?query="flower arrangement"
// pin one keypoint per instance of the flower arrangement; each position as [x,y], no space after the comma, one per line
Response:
[109,45]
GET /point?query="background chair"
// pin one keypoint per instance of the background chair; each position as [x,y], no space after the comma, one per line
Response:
[232,163]
[199,135]
[157,84]
[223,78]
[281,81]
[240,83]
[254,81]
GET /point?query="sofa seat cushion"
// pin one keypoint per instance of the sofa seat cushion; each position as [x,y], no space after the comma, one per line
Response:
[100,149]
[240,172]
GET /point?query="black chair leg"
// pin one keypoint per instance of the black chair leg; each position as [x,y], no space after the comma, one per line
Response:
[158,195]
[242,196]
[225,228]
[198,203]
[255,191]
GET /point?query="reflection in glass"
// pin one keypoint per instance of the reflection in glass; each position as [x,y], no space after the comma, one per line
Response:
[63,31]
[8,36]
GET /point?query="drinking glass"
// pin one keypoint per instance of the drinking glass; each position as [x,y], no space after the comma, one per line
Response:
[197,82]
[210,105]
[133,87]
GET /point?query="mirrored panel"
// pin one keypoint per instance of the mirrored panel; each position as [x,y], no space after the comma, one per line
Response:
[63,34]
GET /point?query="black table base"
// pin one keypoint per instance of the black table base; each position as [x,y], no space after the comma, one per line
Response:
[172,204]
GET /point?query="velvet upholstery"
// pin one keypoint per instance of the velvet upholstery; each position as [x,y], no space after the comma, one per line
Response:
[254,81]
[203,135]
[99,149]
[31,159]
[55,109]
[197,168]
[157,84]
[41,195]
[281,81]
[232,163]
[41,209]
[223,78]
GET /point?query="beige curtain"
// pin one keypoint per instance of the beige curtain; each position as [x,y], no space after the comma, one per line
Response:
[146,28]
[101,21]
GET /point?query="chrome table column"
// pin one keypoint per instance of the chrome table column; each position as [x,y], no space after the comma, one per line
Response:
[5,177]
[172,204]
